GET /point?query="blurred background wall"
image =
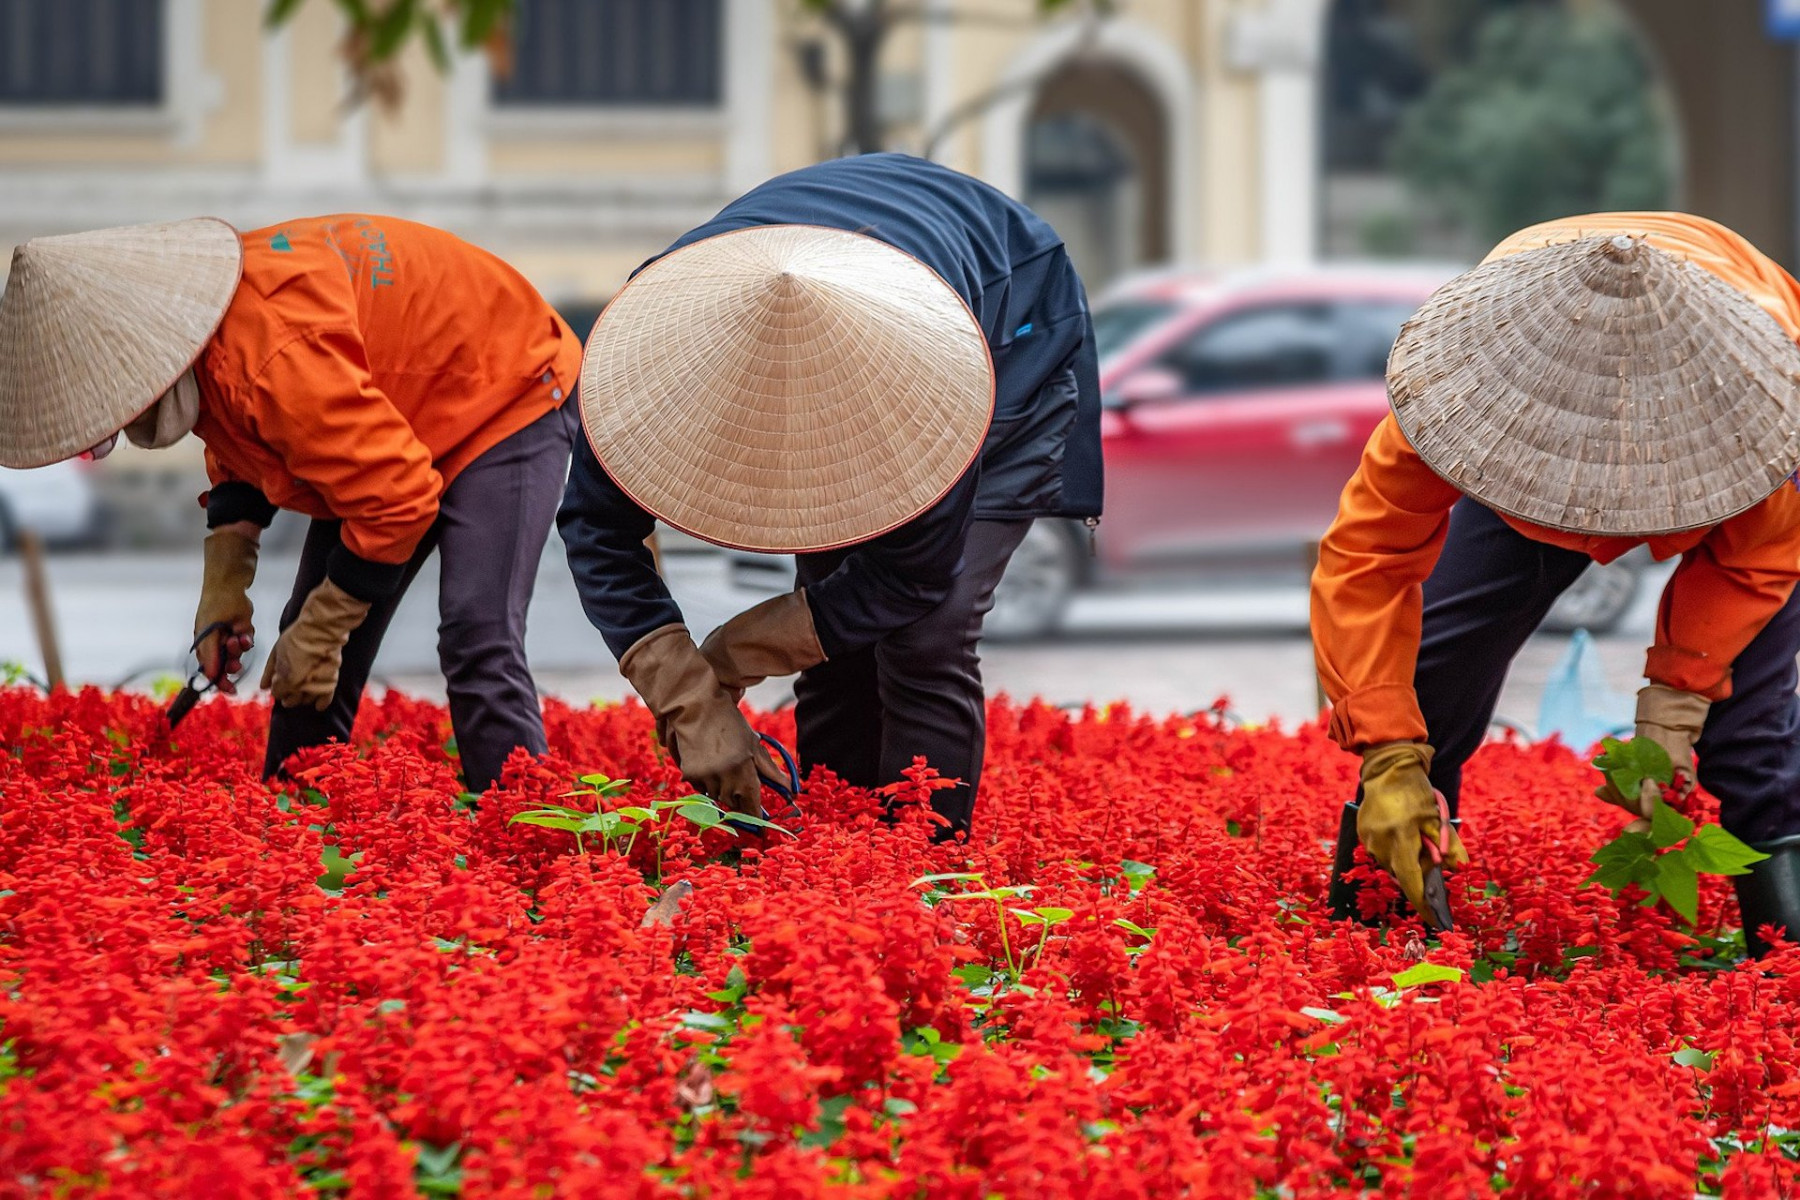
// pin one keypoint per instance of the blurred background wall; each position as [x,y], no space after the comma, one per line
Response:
[1188,131]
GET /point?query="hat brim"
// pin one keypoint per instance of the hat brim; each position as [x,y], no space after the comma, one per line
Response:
[95,326]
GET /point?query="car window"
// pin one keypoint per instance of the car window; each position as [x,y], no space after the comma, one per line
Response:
[1117,325]
[1273,346]
[1369,329]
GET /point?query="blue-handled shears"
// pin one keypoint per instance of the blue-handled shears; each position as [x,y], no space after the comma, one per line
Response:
[788,789]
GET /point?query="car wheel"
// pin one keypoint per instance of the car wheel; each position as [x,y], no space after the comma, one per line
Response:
[1596,601]
[1039,582]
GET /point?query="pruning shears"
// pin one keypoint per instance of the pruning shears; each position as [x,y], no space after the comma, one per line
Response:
[1437,897]
[788,789]
[199,682]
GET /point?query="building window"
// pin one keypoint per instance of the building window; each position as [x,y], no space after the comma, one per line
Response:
[626,53]
[81,53]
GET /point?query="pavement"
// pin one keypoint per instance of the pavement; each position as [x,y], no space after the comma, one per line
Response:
[125,619]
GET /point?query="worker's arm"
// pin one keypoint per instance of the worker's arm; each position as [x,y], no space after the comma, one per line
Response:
[1367,600]
[615,572]
[1723,593]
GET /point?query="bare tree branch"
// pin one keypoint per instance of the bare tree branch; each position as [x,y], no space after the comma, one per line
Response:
[979,103]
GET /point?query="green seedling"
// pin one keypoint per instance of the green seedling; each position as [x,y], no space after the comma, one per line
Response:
[1666,862]
[619,828]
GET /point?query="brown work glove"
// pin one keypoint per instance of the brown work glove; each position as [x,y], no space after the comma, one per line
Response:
[228,571]
[774,638]
[1673,720]
[303,667]
[1398,812]
[698,720]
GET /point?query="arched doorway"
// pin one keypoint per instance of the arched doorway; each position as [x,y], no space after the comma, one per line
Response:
[1097,167]
[1447,126]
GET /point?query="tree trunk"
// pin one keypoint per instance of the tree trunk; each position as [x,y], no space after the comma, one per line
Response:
[864,32]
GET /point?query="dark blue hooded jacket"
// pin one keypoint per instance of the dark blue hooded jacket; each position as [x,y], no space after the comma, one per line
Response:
[1042,453]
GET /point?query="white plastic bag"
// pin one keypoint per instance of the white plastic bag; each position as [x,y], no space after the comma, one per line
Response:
[1578,706]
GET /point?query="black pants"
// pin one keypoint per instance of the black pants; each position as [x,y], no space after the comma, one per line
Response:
[489,534]
[1491,588]
[917,691]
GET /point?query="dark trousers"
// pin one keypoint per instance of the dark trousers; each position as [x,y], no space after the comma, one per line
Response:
[916,691]
[1491,588]
[489,534]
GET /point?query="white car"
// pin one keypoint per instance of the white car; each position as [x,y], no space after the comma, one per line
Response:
[57,502]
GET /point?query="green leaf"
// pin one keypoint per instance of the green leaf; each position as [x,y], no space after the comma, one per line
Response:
[635,812]
[481,18]
[551,821]
[706,816]
[1134,927]
[1325,1014]
[391,27]
[1627,764]
[1677,883]
[436,44]
[1055,916]
[1668,827]
[280,12]
[338,868]
[557,810]
[1427,973]
[1716,852]
[948,877]
[831,1123]
[1627,848]
[1700,1060]
[1613,877]
[759,823]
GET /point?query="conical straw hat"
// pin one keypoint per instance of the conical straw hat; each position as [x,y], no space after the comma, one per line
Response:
[1601,387]
[95,326]
[786,388]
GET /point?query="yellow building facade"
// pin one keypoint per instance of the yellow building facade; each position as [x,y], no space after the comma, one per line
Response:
[252,126]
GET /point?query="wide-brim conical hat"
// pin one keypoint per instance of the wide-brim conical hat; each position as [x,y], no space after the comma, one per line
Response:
[786,388]
[95,326]
[1601,386]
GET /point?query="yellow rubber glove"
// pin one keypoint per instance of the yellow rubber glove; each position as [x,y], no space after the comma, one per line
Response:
[1673,720]
[698,720]
[1399,812]
[775,637]
[303,668]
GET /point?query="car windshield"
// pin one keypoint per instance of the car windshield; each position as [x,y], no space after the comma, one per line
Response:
[1118,325]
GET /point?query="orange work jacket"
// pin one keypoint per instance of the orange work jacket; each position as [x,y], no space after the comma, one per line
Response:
[1395,511]
[364,362]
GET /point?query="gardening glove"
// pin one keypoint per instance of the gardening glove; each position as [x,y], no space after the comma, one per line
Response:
[774,638]
[698,720]
[303,667]
[1673,720]
[1398,812]
[229,567]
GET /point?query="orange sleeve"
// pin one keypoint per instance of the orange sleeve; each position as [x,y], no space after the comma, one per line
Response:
[320,410]
[1723,593]
[1367,600]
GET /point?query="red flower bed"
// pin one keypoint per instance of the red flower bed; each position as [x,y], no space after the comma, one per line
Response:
[1142,998]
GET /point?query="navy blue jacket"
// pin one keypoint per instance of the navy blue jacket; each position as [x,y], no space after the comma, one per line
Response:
[1042,453]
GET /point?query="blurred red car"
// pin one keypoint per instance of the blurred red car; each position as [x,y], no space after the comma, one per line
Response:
[1236,408]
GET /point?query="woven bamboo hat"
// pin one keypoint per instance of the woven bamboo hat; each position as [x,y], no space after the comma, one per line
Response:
[1601,386]
[786,388]
[95,326]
